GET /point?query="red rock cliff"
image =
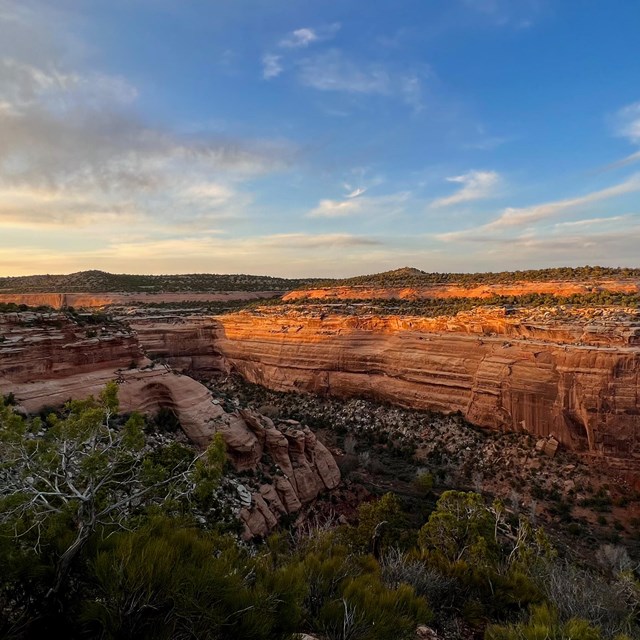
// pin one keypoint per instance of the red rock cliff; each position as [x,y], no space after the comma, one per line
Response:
[578,379]
[558,288]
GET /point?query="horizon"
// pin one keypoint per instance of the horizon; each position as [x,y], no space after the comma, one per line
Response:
[467,136]
[312,277]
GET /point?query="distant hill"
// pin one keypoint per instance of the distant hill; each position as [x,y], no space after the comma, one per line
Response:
[102,282]
[410,277]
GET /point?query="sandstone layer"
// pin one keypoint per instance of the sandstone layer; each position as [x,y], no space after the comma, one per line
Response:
[43,346]
[47,359]
[187,344]
[576,378]
[563,288]
[295,466]
[99,300]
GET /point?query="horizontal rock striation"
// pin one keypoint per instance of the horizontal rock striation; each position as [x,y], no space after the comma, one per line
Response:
[365,292]
[45,346]
[185,343]
[46,359]
[98,300]
[578,379]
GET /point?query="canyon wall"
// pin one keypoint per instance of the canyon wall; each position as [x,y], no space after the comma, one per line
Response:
[98,300]
[557,288]
[187,344]
[579,381]
[41,346]
[48,358]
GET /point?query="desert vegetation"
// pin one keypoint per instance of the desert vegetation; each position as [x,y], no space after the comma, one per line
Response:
[410,277]
[433,307]
[102,282]
[112,526]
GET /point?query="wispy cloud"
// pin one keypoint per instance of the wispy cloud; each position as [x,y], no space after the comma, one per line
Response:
[518,14]
[332,71]
[271,66]
[627,122]
[300,38]
[476,185]
[514,218]
[75,148]
[355,193]
[312,241]
[361,205]
[306,253]
[518,217]
[591,222]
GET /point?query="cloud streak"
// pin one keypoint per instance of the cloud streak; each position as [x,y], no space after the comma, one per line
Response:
[476,185]
[271,66]
[627,122]
[514,218]
[361,205]
[75,150]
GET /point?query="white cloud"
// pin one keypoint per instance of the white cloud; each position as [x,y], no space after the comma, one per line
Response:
[355,193]
[476,185]
[514,218]
[305,36]
[591,222]
[518,217]
[362,205]
[299,38]
[74,150]
[271,67]
[331,71]
[411,88]
[627,122]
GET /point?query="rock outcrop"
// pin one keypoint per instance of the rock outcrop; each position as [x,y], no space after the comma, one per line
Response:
[47,346]
[577,379]
[185,343]
[46,359]
[98,300]
[296,465]
[558,288]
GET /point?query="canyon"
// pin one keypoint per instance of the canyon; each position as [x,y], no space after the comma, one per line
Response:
[46,358]
[565,371]
[578,380]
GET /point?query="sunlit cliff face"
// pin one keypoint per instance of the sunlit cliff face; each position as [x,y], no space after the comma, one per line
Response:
[516,374]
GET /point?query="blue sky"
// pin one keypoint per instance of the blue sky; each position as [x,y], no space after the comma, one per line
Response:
[318,137]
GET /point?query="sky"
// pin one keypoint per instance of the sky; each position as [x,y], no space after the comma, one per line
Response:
[318,137]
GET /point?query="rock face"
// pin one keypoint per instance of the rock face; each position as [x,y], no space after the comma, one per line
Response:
[97,300]
[297,465]
[460,291]
[185,343]
[46,359]
[575,379]
[46,346]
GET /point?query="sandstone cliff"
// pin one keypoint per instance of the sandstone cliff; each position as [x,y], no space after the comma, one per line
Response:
[98,300]
[558,288]
[185,343]
[46,359]
[294,466]
[578,380]
[43,346]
